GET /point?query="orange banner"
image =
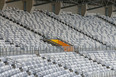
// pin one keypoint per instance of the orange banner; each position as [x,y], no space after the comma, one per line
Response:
[66,46]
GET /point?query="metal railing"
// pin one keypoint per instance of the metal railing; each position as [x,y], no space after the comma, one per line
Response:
[100,48]
[9,51]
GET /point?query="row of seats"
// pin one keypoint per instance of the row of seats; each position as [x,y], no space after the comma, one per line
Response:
[65,64]
[49,27]
[62,64]
[80,64]
[14,35]
[6,70]
[91,25]
[106,58]
[109,19]
[32,66]
[73,28]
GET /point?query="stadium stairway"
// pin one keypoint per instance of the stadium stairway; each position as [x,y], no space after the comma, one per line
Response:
[113,24]
[74,28]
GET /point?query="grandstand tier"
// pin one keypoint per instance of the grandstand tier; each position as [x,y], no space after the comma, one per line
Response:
[37,44]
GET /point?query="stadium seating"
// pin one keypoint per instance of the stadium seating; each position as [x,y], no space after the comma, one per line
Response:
[110,19]
[69,64]
[91,25]
[31,66]
[104,57]
[19,36]
[80,64]
[23,32]
[50,27]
